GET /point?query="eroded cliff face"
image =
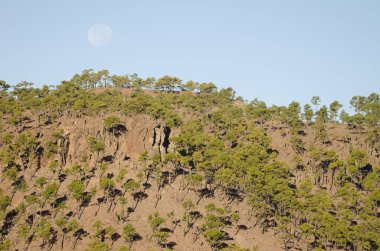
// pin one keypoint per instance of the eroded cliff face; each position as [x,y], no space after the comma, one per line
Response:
[139,134]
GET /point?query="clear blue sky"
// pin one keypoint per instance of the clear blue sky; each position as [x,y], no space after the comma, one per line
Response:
[275,50]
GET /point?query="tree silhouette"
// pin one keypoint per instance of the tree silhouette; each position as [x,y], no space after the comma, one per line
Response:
[130,234]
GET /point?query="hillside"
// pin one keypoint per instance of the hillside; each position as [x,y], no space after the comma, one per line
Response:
[121,163]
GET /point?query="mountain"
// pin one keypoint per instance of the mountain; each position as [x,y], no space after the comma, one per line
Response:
[105,162]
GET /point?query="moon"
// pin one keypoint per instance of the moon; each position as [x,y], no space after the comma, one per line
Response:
[99,35]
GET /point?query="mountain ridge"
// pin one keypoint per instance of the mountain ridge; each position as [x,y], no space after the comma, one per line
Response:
[128,168]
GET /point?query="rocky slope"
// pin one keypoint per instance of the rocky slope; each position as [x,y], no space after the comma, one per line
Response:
[122,150]
[221,179]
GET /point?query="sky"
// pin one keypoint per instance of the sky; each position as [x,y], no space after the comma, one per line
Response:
[274,50]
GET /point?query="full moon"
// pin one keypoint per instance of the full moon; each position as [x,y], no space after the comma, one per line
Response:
[99,35]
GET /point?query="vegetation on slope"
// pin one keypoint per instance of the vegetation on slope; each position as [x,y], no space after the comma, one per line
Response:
[317,198]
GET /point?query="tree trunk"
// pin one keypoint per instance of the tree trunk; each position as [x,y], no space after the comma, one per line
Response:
[63,240]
